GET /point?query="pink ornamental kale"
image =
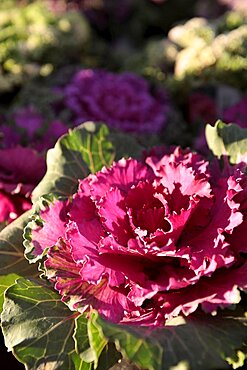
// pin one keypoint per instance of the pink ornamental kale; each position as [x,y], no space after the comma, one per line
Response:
[143,242]
[20,171]
[123,101]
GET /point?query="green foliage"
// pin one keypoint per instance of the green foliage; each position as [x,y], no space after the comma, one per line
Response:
[134,343]
[202,342]
[96,339]
[38,327]
[230,21]
[92,346]
[82,344]
[85,149]
[41,330]
[34,41]
[5,282]
[194,30]
[227,140]
[208,56]
[12,251]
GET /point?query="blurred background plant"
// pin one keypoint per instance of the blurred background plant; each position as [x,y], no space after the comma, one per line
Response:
[196,53]
[35,41]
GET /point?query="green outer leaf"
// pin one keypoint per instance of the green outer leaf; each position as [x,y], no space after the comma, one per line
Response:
[97,339]
[227,140]
[83,150]
[38,327]
[109,357]
[199,342]
[203,341]
[126,145]
[79,363]
[11,249]
[134,343]
[5,282]
[81,339]
[89,340]
[92,346]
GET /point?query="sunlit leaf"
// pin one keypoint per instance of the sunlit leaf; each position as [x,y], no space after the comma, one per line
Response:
[82,344]
[85,149]
[227,140]
[135,344]
[12,251]
[39,328]
[93,346]
[197,342]
[5,282]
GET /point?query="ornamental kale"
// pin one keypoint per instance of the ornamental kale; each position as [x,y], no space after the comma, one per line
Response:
[124,101]
[142,242]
